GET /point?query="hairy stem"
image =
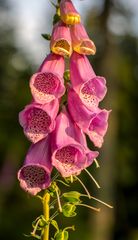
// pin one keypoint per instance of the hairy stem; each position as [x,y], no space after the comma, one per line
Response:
[46,201]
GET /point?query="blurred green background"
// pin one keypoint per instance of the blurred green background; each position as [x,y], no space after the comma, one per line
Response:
[113,25]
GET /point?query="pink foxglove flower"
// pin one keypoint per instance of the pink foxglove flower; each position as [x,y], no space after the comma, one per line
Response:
[80,41]
[48,84]
[70,153]
[68,13]
[93,123]
[35,173]
[61,40]
[38,120]
[90,88]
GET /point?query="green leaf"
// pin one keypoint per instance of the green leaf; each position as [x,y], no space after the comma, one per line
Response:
[72,197]
[56,18]
[46,36]
[54,223]
[69,210]
[62,235]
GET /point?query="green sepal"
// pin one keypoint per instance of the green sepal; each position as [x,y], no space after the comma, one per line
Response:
[72,197]
[62,235]
[68,210]
[54,224]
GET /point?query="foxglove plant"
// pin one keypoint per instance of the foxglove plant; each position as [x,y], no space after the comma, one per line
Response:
[64,109]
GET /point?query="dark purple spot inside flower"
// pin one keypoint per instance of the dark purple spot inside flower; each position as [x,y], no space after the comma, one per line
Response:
[46,83]
[66,155]
[38,121]
[34,176]
[88,94]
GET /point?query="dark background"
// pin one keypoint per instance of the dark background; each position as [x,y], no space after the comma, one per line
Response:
[112,25]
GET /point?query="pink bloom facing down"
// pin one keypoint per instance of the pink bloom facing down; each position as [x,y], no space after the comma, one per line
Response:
[61,40]
[90,88]
[38,120]
[80,40]
[93,123]
[70,153]
[35,173]
[48,84]
[68,13]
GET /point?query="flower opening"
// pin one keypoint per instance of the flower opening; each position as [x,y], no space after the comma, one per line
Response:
[33,178]
[61,40]
[38,120]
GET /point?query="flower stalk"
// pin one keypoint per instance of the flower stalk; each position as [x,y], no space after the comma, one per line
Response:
[46,212]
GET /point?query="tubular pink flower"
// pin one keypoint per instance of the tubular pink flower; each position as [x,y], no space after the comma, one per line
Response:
[70,153]
[35,173]
[61,40]
[80,40]
[38,120]
[48,84]
[90,88]
[93,123]
[68,13]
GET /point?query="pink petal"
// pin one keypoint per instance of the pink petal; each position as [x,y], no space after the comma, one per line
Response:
[93,123]
[48,84]
[90,88]
[80,40]
[70,152]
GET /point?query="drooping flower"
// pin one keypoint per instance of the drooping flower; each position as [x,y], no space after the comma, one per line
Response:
[68,13]
[80,40]
[61,40]
[70,153]
[93,123]
[48,84]
[90,88]
[38,120]
[34,175]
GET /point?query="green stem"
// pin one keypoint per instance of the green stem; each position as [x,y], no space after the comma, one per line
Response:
[46,200]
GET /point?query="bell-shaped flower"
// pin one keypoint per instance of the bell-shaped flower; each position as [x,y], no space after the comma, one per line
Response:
[68,13]
[38,120]
[70,152]
[61,40]
[93,123]
[81,42]
[34,175]
[48,83]
[90,88]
